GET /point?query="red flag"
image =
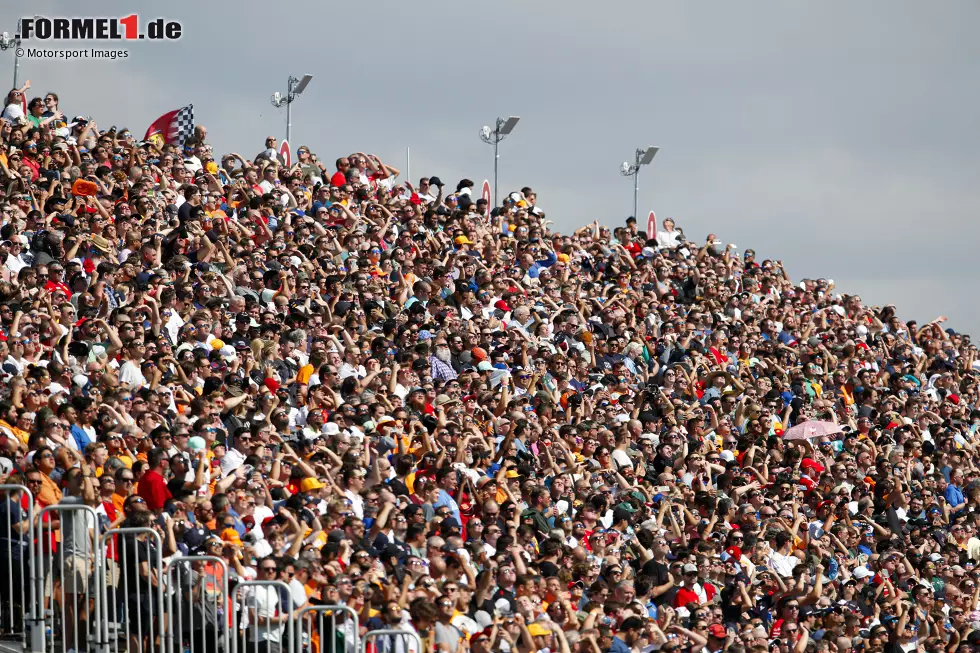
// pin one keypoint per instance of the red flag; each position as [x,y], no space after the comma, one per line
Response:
[172,127]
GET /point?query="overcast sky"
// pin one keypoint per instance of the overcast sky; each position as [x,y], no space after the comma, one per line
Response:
[839,137]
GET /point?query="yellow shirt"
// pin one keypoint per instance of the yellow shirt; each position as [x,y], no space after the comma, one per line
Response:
[21,434]
[304,374]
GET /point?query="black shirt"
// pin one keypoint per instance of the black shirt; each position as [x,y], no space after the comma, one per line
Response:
[133,553]
[660,574]
[398,487]
[176,487]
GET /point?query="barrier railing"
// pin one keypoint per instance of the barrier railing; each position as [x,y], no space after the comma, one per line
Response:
[329,629]
[260,624]
[67,599]
[392,640]
[65,585]
[18,609]
[197,602]
[131,584]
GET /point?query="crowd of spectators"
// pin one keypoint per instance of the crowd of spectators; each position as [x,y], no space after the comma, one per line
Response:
[457,421]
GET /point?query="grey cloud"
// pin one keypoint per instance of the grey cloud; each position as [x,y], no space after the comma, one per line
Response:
[840,137]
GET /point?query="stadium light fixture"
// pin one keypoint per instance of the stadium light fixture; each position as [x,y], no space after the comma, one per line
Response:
[301,85]
[493,137]
[294,87]
[12,41]
[643,157]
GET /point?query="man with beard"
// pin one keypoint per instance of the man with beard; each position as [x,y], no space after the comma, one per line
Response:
[439,362]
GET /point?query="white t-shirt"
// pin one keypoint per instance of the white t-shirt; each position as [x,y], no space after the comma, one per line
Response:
[262,548]
[298,592]
[15,264]
[265,602]
[783,564]
[131,375]
[356,503]
[261,513]
[621,459]
[232,460]
[14,112]
[668,238]
[346,369]
[174,325]
[266,186]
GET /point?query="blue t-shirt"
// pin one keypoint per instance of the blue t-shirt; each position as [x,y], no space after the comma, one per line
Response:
[954,495]
[81,437]
[445,499]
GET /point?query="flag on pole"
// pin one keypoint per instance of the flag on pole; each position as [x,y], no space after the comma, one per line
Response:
[172,127]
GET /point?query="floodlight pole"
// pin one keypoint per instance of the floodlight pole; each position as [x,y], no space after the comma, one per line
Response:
[493,137]
[636,180]
[628,169]
[290,83]
[8,41]
[496,158]
[633,170]
[294,87]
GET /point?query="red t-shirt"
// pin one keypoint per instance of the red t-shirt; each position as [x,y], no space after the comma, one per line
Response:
[34,166]
[466,510]
[51,286]
[154,490]
[110,511]
[338,179]
[48,537]
[718,356]
[681,599]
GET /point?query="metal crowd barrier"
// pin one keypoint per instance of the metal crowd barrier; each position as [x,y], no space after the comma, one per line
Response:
[266,633]
[18,609]
[321,633]
[133,603]
[197,605]
[392,640]
[64,585]
[68,600]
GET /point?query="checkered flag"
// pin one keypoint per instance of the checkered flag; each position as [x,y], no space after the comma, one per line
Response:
[172,127]
[182,126]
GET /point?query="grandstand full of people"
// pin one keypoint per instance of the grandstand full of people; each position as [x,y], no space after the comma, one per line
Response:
[454,421]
